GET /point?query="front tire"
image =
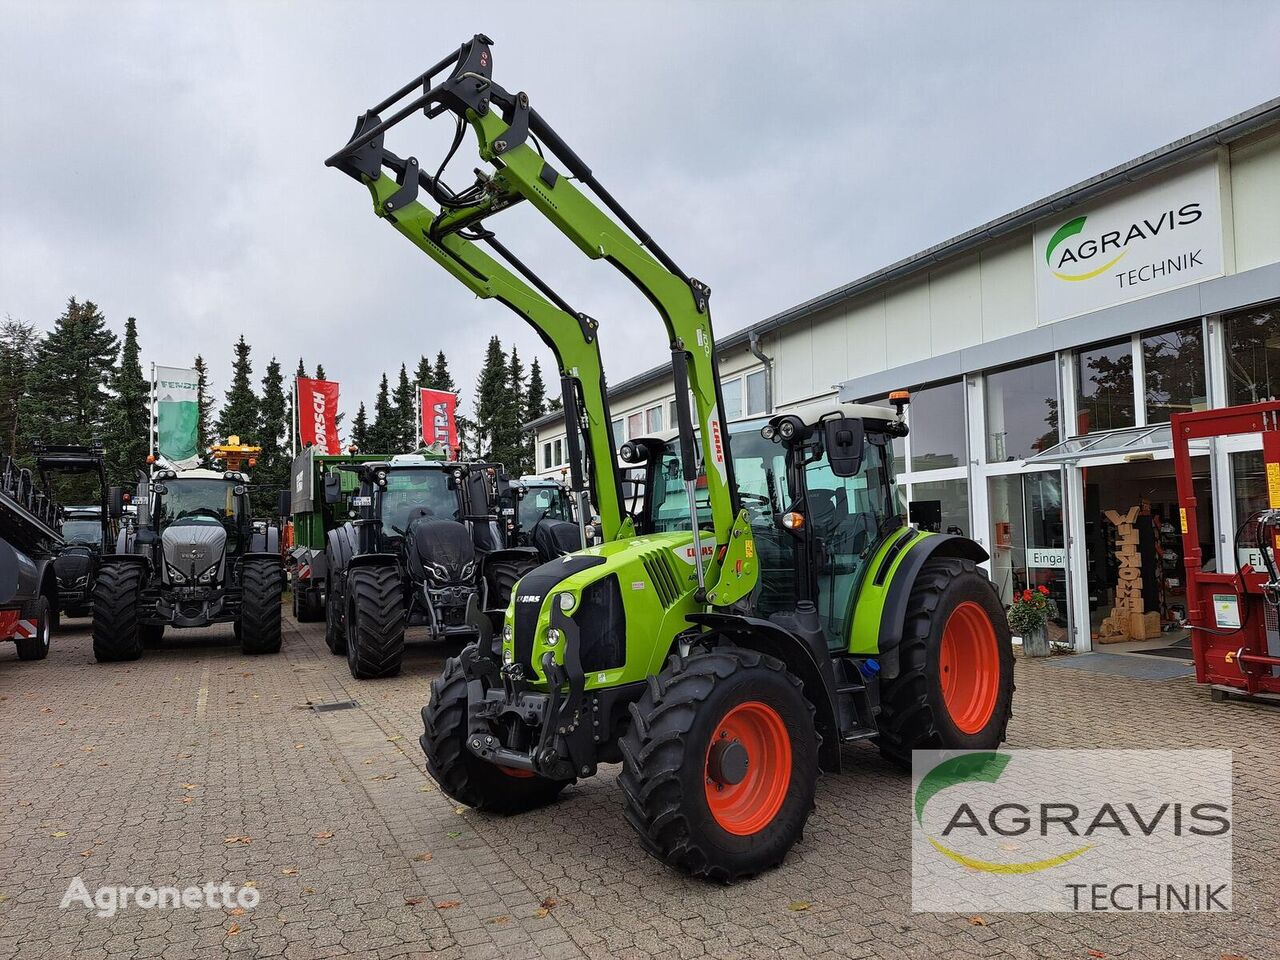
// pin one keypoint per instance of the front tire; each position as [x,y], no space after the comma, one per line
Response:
[461,774]
[37,647]
[720,765]
[954,687]
[375,622]
[116,632]
[260,596]
[335,631]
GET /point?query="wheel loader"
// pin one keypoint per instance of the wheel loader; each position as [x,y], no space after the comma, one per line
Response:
[769,604]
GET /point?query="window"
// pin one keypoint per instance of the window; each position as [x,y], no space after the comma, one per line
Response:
[1028,539]
[635,425]
[618,433]
[732,391]
[559,452]
[653,419]
[672,417]
[940,506]
[756,394]
[547,462]
[1104,387]
[1173,364]
[937,422]
[1253,355]
[1022,411]
[410,494]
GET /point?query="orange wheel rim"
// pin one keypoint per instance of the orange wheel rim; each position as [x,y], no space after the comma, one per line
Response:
[969,667]
[748,768]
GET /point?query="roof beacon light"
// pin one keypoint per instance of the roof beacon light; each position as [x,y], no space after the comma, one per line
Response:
[900,399]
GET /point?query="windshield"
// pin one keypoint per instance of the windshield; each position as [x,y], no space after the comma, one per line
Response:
[211,500]
[82,531]
[413,493]
[543,503]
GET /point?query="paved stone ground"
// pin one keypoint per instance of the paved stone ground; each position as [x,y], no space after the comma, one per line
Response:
[197,764]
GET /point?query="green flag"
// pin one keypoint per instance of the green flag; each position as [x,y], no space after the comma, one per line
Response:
[176,412]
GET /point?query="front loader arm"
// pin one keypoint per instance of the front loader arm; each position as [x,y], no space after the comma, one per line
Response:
[516,140]
[571,337]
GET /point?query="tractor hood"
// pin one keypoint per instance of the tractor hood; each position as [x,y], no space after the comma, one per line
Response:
[193,550]
[440,551]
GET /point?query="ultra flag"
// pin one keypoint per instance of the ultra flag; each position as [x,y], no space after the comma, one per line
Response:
[438,417]
[317,412]
[175,415]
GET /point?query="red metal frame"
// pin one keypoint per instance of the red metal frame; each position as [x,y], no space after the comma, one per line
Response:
[1225,656]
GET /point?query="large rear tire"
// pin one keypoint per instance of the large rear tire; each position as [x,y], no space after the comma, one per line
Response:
[37,647]
[335,631]
[720,765]
[260,602]
[461,774]
[375,622]
[116,632]
[954,687]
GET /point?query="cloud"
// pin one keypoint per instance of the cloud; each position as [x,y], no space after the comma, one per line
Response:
[167,161]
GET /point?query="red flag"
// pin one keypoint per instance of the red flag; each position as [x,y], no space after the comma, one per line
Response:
[318,415]
[439,417]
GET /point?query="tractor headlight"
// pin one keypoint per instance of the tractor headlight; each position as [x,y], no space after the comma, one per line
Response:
[437,571]
[786,429]
[177,575]
[209,574]
[767,431]
[508,634]
[508,656]
[566,602]
[468,570]
[553,637]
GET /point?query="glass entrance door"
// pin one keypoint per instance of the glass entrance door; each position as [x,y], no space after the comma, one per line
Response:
[1028,540]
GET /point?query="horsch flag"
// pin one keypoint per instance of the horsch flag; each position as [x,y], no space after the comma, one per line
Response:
[318,415]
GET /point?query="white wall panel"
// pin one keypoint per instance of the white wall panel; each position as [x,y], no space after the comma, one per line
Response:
[955,305]
[1008,288]
[1255,199]
[907,323]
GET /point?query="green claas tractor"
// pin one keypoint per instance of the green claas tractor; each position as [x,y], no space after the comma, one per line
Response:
[767,605]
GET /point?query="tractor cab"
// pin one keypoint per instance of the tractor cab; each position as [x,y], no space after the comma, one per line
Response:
[817,519]
[200,519]
[545,517]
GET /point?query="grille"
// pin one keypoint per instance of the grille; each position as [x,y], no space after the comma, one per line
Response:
[665,582]
[602,626]
[532,593]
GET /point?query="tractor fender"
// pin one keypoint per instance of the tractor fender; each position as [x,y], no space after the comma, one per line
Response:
[801,657]
[341,546]
[894,614]
[49,585]
[372,560]
[136,559]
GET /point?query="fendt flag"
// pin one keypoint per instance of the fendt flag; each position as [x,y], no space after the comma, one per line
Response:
[175,414]
[317,406]
[438,417]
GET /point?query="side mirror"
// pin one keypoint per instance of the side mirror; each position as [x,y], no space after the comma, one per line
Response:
[844,438]
[284,506]
[332,487]
[115,502]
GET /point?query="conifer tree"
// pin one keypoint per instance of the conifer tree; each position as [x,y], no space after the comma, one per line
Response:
[424,375]
[129,419]
[382,430]
[69,378]
[443,379]
[320,372]
[239,413]
[535,397]
[406,406]
[360,429]
[493,395]
[204,410]
[272,471]
[18,342]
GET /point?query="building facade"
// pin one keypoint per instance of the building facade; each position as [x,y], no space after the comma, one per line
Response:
[1046,352]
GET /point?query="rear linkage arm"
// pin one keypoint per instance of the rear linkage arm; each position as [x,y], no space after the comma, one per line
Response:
[523,172]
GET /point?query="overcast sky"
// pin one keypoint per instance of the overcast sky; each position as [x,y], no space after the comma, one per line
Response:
[166,160]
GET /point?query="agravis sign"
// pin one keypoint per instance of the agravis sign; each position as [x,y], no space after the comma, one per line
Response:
[1164,236]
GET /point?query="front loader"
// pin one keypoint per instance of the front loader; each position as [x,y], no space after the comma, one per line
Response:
[767,606]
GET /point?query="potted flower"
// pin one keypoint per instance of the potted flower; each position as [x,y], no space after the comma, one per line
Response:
[1029,618]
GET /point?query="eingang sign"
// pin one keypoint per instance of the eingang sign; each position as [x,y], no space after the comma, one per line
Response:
[1163,236]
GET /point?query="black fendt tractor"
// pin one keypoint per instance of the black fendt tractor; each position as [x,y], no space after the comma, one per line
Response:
[87,529]
[193,558]
[430,544]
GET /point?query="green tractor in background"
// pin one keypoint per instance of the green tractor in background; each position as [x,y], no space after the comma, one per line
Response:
[767,605]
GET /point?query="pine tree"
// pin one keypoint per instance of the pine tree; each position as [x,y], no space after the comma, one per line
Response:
[204,410]
[292,395]
[493,394]
[441,377]
[382,431]
[129,419]
[425,376]
[272,471]
[320,372]
[360,429]
[68,383]
[535,397]
[18,343]
[239,413]
[517,459]
[406,406]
